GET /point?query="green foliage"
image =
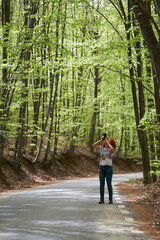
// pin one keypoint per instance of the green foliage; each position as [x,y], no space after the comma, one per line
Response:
[70,39]
[155,164]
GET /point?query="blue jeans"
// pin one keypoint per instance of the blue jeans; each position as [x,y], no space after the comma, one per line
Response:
[105,172]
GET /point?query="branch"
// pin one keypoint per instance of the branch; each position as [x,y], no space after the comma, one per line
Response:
[117,9]
[148,15]
[125,75]
[106,20]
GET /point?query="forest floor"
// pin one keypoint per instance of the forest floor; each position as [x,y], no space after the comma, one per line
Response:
[146,201]
[83,164]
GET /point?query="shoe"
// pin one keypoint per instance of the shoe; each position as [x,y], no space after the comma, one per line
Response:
[101,202]
[110,202]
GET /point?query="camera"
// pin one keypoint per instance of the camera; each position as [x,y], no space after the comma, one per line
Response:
[104,136]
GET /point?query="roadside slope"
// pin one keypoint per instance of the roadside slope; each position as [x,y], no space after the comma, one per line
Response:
[66,165]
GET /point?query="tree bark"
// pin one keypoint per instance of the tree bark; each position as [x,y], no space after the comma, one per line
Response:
[95,110]
[57,114]
[142,131]
[56,76]
[139,111]
[157,104]
[36,107]
[150,103]
[149,36]
[29,23]
[5,29]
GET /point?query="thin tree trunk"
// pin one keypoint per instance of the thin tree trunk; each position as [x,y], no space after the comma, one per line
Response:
[57,115]
[150,103]
[77,106]
[116,157]
[142,131]
[56,74]
[36,107]
[95,110]
[29,23]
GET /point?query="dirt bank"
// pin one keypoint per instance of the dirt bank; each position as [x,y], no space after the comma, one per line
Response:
[66,165]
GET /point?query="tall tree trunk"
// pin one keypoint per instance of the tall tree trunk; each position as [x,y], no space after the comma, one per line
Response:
[5,29]
[37,96]
[138,112]
[44,125]
[97,80]
[56,75]
[150,103]
[95,110]
[29,22]
[77,105]
[152,43]
[116,157]
[142,131]
[36,107]
[157,104]
[57,114]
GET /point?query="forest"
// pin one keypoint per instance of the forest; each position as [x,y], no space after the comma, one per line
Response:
[74,69]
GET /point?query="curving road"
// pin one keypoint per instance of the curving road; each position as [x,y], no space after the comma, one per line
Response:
[69,211]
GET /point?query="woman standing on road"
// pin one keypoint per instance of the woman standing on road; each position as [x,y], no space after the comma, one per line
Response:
[105,168]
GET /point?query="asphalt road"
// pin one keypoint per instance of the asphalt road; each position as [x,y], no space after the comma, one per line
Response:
[69,211]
